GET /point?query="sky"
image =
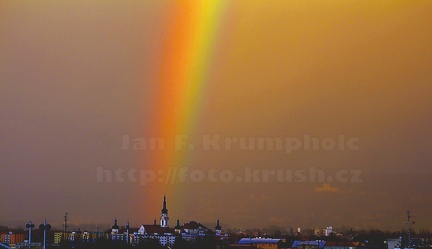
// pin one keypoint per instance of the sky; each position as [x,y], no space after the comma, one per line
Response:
[289,113]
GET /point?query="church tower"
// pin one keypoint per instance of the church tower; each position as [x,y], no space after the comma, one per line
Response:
[218,229]
[115,227]
[164,216]
[177,227]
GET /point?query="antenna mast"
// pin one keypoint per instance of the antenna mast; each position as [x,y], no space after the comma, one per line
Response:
[409,223]
[65,226]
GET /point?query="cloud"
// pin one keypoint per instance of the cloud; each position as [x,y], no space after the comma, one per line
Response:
[326,188]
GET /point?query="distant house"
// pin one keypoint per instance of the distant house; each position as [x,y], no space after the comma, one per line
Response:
[262,243]
[393,243]
[192,230]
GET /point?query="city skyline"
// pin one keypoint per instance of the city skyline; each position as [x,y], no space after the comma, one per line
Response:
[165,223]
[257,113]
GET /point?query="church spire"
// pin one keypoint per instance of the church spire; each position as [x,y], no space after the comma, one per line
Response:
[164,208]
[164,214]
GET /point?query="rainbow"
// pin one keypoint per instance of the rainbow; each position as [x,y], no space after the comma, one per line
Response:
[187,53]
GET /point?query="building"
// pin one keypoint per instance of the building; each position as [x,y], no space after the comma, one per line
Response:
[161,232]
[164,214]
[192,230]
[314,244]
[83,236]
[166,236]
[323,231]
[119,233]
[58,237]
[177,228]
[115,235]
[95,235]
[86,236]
[11,238]
[262,243]
[218,229]
[328,230]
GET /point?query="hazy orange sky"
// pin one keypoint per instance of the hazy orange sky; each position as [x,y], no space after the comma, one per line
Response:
[77,77]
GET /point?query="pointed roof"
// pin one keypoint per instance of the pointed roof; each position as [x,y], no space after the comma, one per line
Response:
[164,209]
[178,225]
[218,227]
[115,226]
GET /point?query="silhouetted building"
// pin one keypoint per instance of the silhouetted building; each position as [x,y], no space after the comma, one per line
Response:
[162,232]
[166,236]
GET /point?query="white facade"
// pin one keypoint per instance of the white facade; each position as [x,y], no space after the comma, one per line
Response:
[328,231]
